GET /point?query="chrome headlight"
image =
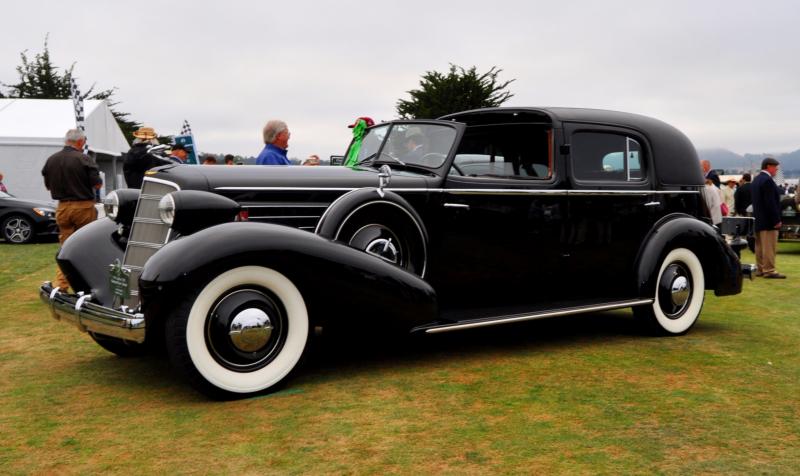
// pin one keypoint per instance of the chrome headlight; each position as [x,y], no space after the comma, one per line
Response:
[111,205]
[166,209]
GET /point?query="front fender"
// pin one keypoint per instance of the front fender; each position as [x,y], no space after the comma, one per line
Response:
[338,283]
[85,258]
[720,264]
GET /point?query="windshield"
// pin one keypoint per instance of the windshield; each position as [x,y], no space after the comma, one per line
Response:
[372,142]
[425,145]
[5,195]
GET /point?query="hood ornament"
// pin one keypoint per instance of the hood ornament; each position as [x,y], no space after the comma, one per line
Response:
[384,177]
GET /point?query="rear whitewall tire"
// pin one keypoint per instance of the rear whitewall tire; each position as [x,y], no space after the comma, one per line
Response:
[680,324]
[289,355]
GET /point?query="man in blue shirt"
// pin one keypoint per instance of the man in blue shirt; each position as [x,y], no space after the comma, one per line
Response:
[276,137]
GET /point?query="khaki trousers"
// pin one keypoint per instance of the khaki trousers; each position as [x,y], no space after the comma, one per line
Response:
[70,216]
[766,248]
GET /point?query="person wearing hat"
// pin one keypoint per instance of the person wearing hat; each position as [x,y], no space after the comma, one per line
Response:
[767,212]
[276,140]
[137,160]
[359,127]
[179,153]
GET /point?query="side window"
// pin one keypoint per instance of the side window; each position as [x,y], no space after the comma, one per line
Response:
[602,156]
[520,151]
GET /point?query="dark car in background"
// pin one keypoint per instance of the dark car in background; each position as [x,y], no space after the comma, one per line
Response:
[481,218]
[22,221]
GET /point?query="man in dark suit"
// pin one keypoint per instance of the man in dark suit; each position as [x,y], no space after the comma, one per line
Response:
[743,197]
[767,212]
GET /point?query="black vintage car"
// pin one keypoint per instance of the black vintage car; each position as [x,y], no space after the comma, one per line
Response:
[481,218]
[22,220]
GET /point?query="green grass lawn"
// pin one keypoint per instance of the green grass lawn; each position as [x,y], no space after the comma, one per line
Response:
[586,394]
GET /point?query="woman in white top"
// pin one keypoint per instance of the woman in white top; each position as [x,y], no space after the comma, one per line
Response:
[727,195]
[713,199]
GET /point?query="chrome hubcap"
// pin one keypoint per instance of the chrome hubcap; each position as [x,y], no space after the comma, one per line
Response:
[384,249]
[680,291]
[378,241]
[246,329]
[675,290]
[250,330]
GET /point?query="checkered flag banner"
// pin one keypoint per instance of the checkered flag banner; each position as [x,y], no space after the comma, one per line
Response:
[186,129]
[77,103]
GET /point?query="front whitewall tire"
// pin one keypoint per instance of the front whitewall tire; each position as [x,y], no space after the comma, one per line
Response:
[289,355]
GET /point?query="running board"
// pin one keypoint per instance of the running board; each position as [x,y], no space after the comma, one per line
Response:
[497,320]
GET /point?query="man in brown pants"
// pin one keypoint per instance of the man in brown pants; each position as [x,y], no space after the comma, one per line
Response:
[71,177]
[767,212]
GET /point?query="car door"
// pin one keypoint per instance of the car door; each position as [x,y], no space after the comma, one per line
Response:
[612,207]
[500,218]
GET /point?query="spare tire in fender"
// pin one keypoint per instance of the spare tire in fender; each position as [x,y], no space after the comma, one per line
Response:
[383,225]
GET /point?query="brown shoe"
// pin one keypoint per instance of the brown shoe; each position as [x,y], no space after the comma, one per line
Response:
[775,276]
[759,274]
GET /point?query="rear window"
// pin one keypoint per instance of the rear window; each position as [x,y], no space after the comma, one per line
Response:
[606,157]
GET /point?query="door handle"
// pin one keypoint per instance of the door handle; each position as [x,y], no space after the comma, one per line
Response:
[652,204]
[462,206]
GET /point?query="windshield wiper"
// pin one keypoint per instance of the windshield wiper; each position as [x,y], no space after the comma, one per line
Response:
[392,157]
[383,154]
[365,159]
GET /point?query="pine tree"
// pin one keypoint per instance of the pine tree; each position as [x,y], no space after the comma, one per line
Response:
[458,90]
[39,78]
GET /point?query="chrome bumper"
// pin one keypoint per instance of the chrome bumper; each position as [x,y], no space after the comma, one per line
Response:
[79,309]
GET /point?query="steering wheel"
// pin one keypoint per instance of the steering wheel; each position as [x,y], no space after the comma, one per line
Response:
[458,169]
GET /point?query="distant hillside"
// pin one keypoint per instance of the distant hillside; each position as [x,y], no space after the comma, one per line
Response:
[733,162]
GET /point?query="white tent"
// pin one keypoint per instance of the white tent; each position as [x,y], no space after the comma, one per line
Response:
[31,130]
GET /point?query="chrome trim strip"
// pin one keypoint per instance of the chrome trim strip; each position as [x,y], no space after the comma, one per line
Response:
[301,189]
[499,191]
[282,216]
[493,321]
[286,205]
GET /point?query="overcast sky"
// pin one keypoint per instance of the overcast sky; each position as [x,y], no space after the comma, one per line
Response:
[725,72]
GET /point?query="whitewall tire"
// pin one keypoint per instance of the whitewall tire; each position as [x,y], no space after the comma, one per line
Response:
[680,290]
[244,332]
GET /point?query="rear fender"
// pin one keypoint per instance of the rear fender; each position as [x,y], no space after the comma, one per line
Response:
[720,264]
[338,283]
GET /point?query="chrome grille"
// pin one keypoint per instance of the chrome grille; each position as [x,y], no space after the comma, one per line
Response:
[148,233]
